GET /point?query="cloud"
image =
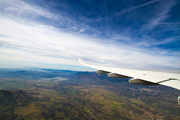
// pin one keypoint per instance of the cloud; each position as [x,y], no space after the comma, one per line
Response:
[134,7]
[160,14]
[129,9]
[28,42]
[149,41]
[22,9]
[39,40]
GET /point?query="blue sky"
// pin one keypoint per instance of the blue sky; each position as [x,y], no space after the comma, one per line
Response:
[140,34]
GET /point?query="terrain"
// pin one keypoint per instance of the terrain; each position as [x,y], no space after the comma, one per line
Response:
[48,94]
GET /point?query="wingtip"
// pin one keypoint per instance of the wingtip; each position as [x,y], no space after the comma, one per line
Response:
[81,61]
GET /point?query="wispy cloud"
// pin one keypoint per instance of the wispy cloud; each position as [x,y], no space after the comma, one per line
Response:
[161,14]
[21,9]
[148,41]
[129,9]
[134,7]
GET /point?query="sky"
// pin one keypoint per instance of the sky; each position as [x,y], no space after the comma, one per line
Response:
[138,34]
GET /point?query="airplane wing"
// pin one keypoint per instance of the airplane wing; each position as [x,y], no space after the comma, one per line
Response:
[141,77]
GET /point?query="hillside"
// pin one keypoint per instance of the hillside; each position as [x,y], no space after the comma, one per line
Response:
[84,95]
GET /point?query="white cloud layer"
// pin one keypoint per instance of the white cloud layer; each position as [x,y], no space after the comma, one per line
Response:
[25,42]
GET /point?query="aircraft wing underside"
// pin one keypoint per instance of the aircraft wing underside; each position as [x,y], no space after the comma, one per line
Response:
[139,76]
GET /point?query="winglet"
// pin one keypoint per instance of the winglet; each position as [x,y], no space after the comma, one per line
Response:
[86,64]
[81,61]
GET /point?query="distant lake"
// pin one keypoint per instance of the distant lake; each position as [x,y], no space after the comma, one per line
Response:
[55,79]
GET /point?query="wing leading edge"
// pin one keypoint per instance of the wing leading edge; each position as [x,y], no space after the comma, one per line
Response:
[139,76]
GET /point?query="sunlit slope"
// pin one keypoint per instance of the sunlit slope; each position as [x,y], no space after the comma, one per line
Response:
[75,100]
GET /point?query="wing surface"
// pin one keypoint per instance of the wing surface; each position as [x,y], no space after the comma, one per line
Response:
[167,79]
